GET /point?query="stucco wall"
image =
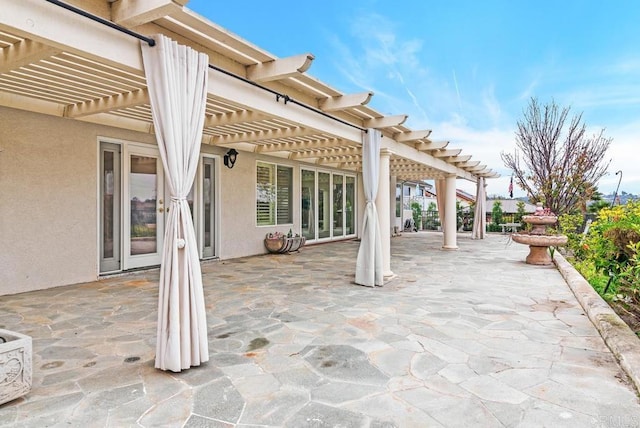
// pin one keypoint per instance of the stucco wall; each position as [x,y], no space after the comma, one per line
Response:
[49,198]
[48,202]
[240,236]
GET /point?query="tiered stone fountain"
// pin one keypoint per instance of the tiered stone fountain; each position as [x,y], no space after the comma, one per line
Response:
[537,239]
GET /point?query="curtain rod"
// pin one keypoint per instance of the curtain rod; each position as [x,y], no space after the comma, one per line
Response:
[152,42]
[286,98]
[103,21]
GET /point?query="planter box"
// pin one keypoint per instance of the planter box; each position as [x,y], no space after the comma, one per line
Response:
[15,365]
[284,244]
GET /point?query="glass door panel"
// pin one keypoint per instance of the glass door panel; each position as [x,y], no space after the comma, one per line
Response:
[338,207]
[109,207]
[208,208]
[308,208]
[145,206]
[349,205]
[324,205]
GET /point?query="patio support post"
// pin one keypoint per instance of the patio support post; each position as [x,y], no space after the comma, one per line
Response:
[369,265]
[392,203]
[480,216]
[384,211]
[450,223]
[177,81]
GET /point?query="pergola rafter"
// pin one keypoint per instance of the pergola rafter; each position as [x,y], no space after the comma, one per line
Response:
[95,74]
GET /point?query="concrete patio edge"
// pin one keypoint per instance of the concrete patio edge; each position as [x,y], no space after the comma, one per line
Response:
[620,339]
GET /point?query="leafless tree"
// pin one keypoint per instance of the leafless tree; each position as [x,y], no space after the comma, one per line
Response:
[557,166]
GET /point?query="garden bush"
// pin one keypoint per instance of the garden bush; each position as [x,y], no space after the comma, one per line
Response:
[611,248]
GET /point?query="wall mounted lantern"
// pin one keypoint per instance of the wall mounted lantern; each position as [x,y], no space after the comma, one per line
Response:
[230,158]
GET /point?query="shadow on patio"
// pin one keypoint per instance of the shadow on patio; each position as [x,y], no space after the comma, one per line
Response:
[465,338]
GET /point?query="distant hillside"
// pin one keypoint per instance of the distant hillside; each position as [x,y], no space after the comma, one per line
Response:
[622,198]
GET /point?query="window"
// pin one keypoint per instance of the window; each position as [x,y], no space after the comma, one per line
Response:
[274,194]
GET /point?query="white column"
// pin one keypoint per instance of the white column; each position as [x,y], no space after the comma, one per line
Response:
[382,206]
[450,214]
[392,202]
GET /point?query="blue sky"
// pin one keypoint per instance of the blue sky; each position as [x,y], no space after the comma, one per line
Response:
[466,69]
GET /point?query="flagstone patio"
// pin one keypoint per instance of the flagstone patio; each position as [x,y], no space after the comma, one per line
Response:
[474,337]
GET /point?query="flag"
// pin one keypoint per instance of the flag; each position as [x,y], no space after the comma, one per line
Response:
[511,188]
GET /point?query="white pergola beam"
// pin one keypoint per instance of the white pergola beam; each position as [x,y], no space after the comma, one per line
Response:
[403,137]
[255,136]
[255,99]
[476,168]
[327,153]
[459,159]
[466,165]
[232,118]
[299,145]
[23,53]
[447,153]
[132,13]
[279,68]
[101,105]
[337,159]
[42,21]
[343,102]
[352,164]
[385,121]
[23,102]
[433,145]
[407,152]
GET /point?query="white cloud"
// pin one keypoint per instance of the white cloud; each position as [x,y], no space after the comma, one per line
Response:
[473,117]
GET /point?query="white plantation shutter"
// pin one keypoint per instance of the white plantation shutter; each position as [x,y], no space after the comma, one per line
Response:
[274,194]
[265,194]
[284,206]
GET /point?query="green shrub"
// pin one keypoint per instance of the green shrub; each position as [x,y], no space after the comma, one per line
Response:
[611,248]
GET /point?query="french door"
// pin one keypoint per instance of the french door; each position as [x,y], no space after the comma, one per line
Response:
[144,207]
[206,222]
[133,206]
[327,205]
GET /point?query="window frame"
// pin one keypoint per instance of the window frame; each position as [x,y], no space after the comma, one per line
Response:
[273,187]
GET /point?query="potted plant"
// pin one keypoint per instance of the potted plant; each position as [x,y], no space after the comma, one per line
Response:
[15,365]
[278,242]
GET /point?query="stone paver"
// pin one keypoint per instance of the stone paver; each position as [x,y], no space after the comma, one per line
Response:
[473,337]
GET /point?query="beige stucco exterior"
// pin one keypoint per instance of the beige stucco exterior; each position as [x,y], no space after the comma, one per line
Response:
[48,199]
[49,214]
[69,81]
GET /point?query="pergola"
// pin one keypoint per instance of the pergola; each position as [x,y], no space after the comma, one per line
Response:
[63,64]
[81,60]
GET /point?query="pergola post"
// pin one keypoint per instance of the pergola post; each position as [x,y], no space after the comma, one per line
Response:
[384,211]
[393,180]
[450,221]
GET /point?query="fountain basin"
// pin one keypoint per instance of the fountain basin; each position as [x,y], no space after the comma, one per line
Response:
[538,246]
[539,223]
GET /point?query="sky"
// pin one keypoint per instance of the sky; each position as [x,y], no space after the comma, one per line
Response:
[467,69]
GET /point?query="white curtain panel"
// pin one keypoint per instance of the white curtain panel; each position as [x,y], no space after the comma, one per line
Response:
[479,216]
[369,261]
[441,188]
[177,83]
